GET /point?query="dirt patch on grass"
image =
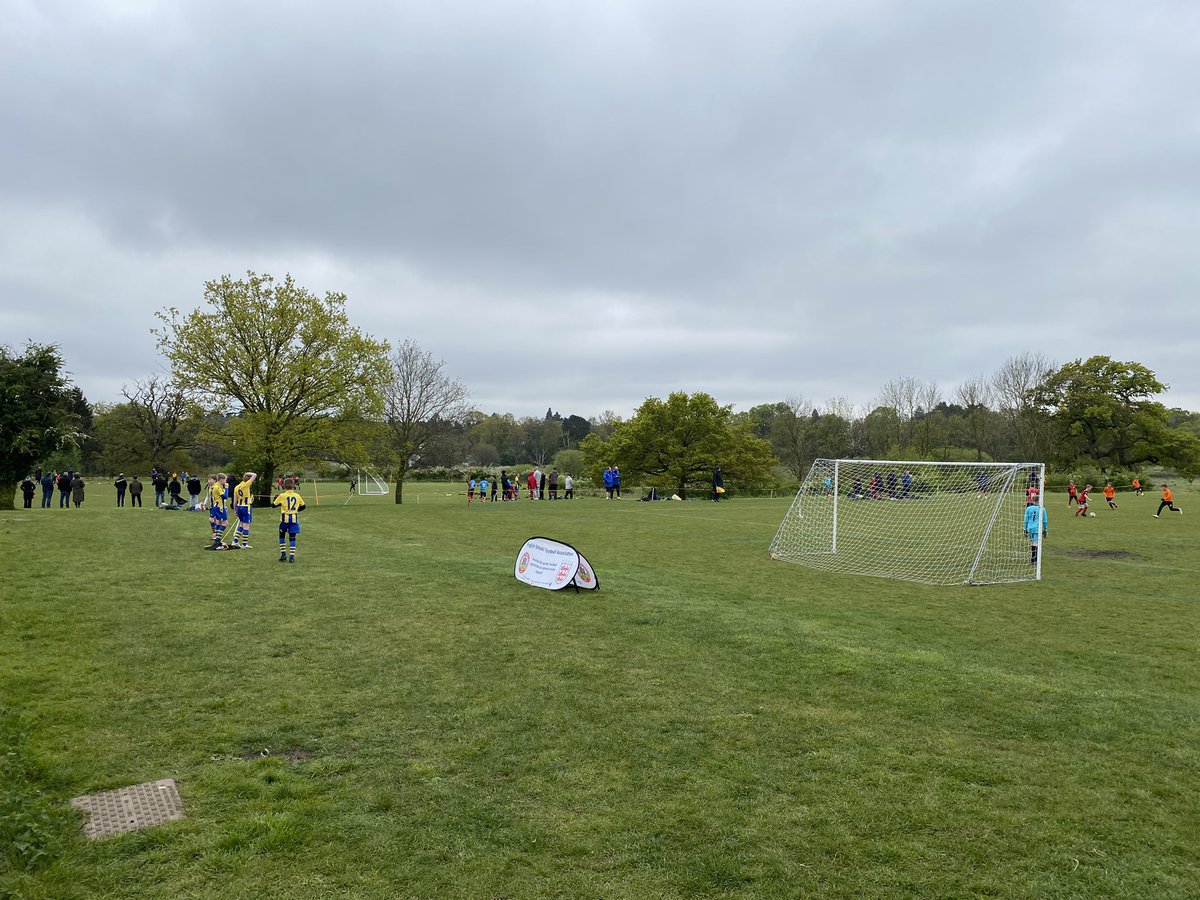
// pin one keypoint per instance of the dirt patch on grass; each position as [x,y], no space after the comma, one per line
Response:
[1099,554]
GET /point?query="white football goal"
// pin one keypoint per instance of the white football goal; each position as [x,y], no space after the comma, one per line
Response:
[369,485]
[928,522]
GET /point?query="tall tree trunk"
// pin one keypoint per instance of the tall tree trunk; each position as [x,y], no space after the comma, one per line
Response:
[264,486]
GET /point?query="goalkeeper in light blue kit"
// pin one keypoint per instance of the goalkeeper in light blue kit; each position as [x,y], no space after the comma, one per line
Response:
[1031,528]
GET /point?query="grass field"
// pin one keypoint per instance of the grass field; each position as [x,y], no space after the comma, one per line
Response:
[396,716]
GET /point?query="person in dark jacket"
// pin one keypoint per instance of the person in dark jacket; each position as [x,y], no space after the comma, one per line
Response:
[175,489]
[77,485]
[135,492]
[64,489]
[193,487]
[160,489]
[27,491]
[47,490]
[718,481]
[121,485]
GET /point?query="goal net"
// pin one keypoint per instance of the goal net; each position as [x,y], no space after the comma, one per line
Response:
[933,523]
[370,485]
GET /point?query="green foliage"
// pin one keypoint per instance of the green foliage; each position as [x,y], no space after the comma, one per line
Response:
[1104,411]
[678,442]
[30,826]
[569,462]
[287,362]
[37,413]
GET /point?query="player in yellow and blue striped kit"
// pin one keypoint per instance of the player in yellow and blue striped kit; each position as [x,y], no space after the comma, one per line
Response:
[290,504]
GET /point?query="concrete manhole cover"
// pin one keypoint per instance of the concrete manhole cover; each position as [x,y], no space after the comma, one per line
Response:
[130,808]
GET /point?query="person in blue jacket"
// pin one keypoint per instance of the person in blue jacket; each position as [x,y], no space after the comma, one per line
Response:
[617,481]
[608,481]
[1031,529]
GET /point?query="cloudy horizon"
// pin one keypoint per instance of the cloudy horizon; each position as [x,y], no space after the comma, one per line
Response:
[581,205]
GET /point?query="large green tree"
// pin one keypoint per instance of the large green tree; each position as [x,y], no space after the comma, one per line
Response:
[681,440]
[37,413]
[1104,410]
[287,363]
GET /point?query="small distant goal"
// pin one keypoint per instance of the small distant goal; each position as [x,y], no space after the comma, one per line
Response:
[371,485]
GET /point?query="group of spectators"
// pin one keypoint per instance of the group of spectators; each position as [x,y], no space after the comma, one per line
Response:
[70,485]
[168,489]
[509,487]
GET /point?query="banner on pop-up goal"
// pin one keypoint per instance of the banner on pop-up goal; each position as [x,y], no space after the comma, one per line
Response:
[553,565]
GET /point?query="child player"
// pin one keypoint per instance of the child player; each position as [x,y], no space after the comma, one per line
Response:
[1072,493]
[1167,502]
[243,501]
[290,505]
[1081,509]
[1031,528]
[216,512]
[1110,494]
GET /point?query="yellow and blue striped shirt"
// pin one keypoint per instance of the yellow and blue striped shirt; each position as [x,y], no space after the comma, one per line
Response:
[290,503]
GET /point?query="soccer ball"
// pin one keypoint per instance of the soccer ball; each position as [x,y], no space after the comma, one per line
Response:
[1093,515]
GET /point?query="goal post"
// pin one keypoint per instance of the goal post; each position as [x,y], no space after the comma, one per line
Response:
[929,522]
[370,485]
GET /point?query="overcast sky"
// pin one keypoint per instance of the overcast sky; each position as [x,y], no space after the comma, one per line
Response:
[581,204]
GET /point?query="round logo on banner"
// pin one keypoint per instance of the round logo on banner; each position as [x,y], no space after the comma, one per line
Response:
[564,572]
[585,574]
[523,564]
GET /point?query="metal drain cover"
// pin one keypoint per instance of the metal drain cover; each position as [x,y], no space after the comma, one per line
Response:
[130,808]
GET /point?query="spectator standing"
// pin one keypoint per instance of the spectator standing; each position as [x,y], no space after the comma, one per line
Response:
[193,488]
[617,481]
[47,490]
[160,488]
[531,483]
[608,482]
[77,486]
[554,484]
[121,485]
[568,488]
[135,492]
[175,490]
[718,481]
[64,489]
[540,479]
[28,489]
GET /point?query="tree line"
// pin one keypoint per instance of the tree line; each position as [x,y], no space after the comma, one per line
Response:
[268,376]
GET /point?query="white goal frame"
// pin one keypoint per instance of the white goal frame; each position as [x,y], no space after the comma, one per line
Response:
[939,523]
[371,486]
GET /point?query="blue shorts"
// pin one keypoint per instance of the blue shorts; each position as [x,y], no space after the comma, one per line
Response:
[219,514]
[289,527]
[243,514]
